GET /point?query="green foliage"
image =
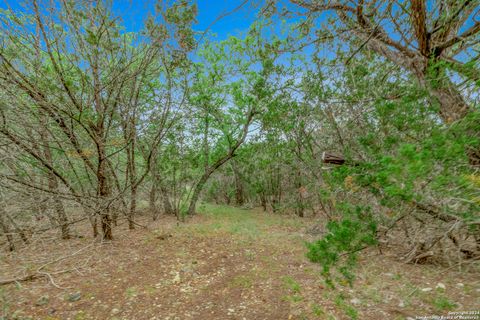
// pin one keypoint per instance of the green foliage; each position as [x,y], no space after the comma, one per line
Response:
[442,303]
[4,305]
[291,284]
[318,310]
[338,249]
[349,310]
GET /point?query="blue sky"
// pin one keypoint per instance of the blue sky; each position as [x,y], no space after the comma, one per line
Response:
[134,12]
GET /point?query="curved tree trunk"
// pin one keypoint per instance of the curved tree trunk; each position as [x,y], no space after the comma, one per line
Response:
[211,169]
[197,190]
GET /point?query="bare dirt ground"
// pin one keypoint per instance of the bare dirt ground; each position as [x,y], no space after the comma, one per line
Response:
[223,264]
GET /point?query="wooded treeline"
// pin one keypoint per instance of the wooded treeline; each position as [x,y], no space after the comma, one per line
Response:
[99,123]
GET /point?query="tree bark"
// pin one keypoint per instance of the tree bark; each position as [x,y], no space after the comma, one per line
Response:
[132,170]
[197,190]
[62,218]
[103,193]
[6,231]
[52,181]
[167,204]
[239,192]
[300,207]
[263,201]
[152,201]
[58,205]
[106,226]
[93,222]
[21,232]
[133,208]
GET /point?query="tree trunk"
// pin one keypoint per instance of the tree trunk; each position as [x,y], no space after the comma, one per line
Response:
[93,222]
[92,218]
[153,201]
[263,200]
[300,206]
[197,190]
[167,205]
[103,192]
[106,226]
[6,231]
[21,232]
[210,169]
[228,200]
[62,218]
[59,208]
[239,192]
[452,106]
[53,187]
[434,78]
[133,207]
[115,209]
[103,188]
[432,74]
[132,174]
[276,189]
[119,205]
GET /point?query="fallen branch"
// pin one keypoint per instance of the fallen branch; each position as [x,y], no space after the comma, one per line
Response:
[39,273]
[21,279]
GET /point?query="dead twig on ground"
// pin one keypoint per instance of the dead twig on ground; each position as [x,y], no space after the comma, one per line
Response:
[40,273]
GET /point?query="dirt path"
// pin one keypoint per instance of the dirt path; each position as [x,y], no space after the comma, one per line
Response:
[227,264]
